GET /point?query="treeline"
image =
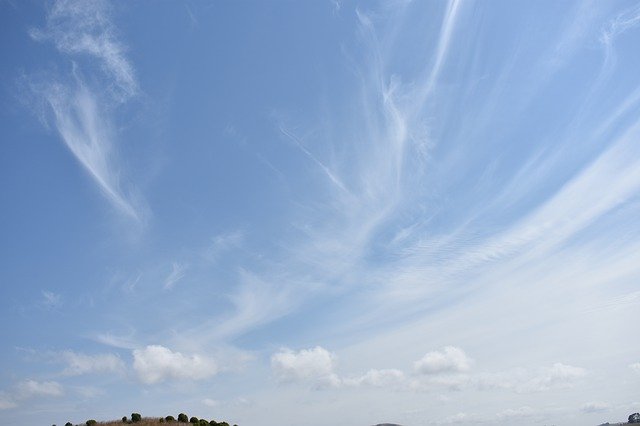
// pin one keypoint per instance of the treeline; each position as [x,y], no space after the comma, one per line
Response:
[137,418]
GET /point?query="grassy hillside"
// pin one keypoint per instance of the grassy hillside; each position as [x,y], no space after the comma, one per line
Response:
[137,420]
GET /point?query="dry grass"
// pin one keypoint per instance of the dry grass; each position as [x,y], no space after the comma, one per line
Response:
[146,421]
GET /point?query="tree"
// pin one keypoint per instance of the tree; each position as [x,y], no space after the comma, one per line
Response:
[68,424]
[203,422]
[136,417]
[182,418]
[124,419]
[194,420]
[170,419]
[90,422]
[634,418]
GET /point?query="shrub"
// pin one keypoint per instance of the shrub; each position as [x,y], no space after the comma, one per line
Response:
[182,418]
[194,420]
[124,419]
[90,422]
[161,420]
[213,423]
[136,417]
[203,422]
[170,419]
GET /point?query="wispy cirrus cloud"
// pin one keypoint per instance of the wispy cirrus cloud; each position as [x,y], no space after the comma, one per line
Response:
[82,108]
[177,273]
[29,389]
[51,300]
[80,363]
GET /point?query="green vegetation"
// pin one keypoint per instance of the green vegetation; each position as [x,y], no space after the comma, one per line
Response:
[147,421]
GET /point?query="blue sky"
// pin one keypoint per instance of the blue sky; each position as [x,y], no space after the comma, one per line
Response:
[318,212]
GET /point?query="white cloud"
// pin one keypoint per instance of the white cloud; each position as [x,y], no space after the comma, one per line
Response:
[122,342]
[78,363]
[621,23]
[449,360]
[51,300]
[512,413]
[81,112]
[211,402]
[223,243]
[455,419]
[32,388]
[82,124]
[177,273]
[385,378]
[595,407]
[521,380]
[84,28]
[156,363]
[256,302]
[89,392]
[307,364]
[317,366]
[29,389]
[635,367]
[6,402]
[557,376]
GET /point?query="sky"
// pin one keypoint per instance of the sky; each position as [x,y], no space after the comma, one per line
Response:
[320,212]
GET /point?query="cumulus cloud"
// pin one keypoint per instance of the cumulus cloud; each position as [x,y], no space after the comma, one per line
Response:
[449,360]
[32,388]
[447,370]
[78,363]
[317,366]
[307,364]
[156,363]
